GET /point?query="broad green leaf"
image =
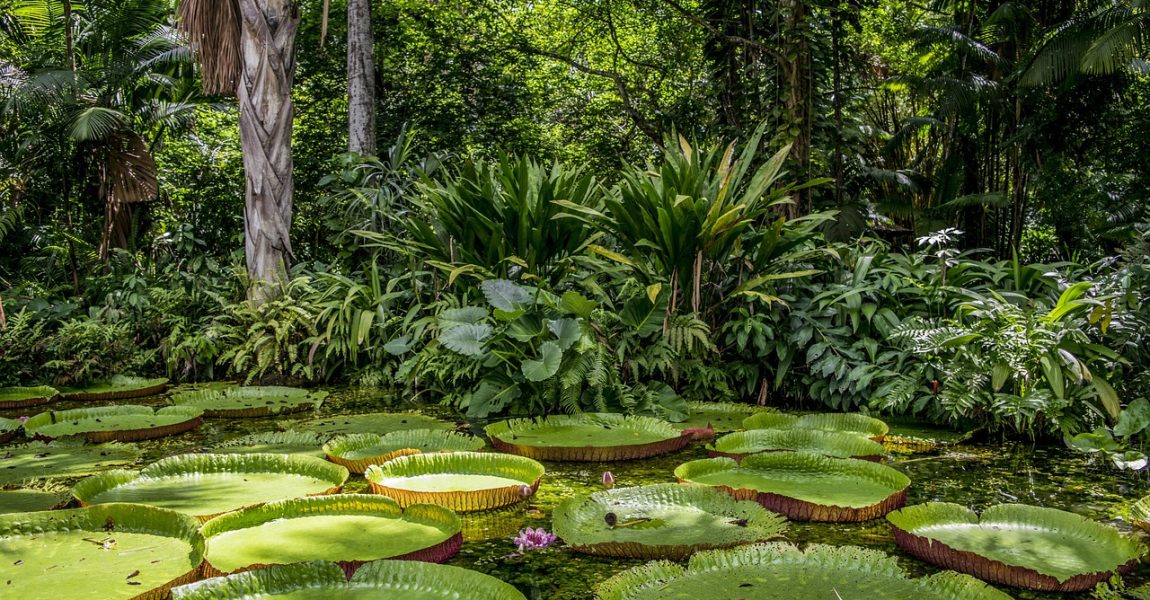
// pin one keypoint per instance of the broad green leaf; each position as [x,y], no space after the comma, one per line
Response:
[567,331]
[399,346]
[551,355]
[505,295]
[461,316]
[577,304]
[1133,419]
[1108,396]
[466,339]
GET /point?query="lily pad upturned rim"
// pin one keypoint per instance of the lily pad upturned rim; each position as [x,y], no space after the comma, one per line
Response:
[25,396]
[876,429]
[210,400]
[395,444]
[501,432]
[335,505]
[376,575]
[188,464]
[909,525]
[803,510]
[575,515]
[660,575]
[300,439]
[191,418]
[135,518]
[518,468]
[1140,513]
[835,444]
[117,387]
[8,429]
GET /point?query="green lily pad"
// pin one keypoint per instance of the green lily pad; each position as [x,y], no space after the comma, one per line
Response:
[380,580]
[843,422]
[360,450]
[18,501]
[378,423]
[65,458]
[586,437]
[461,481]
[666,520]
[8,429]
[254,401]
[205,485]
[275,442]
[1014,544]
[117,387]
[828,443]
[781,571]
[124,423]
[350,529]
[805,486]
[21,397]
[98,553]
[721,417]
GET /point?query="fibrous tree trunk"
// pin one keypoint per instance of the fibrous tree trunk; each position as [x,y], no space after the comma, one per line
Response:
[267,45]
[360,78]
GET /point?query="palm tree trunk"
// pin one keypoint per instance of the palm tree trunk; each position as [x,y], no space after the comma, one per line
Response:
[267,43]
[360,78]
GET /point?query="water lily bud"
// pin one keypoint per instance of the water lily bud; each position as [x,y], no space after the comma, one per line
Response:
[608,479]
[525,491]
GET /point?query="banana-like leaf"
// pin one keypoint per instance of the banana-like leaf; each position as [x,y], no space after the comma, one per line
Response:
[461,481]
[350,529]
[125,551]
[379,423]
[206,485]
[276,442]
[587,437]
[253,401]
[828,443]
[380,580]
[848,422]
[65,458]
[117,387]
[358,451]
[720,417]
[781,571]
[805,486]
[666,520]
[122,423]
[1015,544]
[22,397]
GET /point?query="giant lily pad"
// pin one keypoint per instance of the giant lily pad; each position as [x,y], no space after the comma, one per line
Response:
[378,423]
[380,580]
[844,422]
[1140,513]
[21,397]
[461,481]
[125,423]
[254,401]
[828,443]
[720,417]
[1014,544]
[274,442]
[32,500]
[780,571]
[117,387]
[66,458]
[102,553]
[360,450]
[8,429]
[587,437]
[665,520]
[805,486]
[350,529]
[205,485]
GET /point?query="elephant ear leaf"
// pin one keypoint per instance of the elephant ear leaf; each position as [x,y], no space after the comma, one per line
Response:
[644,316]
[466,339]
[1133,419]
[506,296]
[548,364]
[567,331]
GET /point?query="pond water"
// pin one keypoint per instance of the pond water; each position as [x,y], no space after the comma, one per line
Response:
[975,475]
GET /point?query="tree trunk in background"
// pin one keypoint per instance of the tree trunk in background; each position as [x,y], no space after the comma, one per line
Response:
[360,78]
[267,43]
[796,89]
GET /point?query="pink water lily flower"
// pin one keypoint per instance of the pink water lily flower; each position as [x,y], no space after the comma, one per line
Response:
[608,479]
[534,539]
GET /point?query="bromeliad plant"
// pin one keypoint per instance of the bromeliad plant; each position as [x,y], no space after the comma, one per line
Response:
[532,352]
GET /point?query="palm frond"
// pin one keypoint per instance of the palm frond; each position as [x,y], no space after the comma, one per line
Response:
[213,30]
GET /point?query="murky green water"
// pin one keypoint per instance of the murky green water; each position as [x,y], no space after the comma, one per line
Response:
[976,475]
